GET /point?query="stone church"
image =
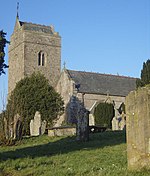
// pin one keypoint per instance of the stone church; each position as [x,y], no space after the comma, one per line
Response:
[35,47]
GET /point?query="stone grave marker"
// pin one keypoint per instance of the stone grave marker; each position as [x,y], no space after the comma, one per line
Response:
[138,129]
[37,126]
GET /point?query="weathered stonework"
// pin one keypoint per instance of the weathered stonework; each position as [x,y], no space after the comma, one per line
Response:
[62,131]
[26,42]
[138,128]
[66,87]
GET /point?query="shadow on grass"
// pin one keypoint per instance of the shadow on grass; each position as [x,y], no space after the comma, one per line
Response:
[65,145]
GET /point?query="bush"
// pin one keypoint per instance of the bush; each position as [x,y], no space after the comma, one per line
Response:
[33,94]
[3,139]
[145,75]
[104,112]
[2,136]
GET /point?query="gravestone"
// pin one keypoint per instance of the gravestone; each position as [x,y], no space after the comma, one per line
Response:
[17,127]
[14,128]
[82,124]
[32,127]
[43,127]
[119,123]
[115,120]
[77,114]
[62,131]
[37,126]
[115,124]
[138,129]
[122,124]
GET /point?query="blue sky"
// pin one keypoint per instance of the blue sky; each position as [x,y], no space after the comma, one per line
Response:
[105,36]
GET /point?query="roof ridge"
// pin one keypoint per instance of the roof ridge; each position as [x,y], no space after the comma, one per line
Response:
[68,73]
[120,76]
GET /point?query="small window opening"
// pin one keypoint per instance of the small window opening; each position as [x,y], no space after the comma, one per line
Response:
[41,59]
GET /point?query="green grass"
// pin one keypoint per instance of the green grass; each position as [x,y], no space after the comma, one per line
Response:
[103,155]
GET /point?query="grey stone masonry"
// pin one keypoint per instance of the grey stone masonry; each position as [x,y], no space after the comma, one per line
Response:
[62,131]
[138,129]
[96,88]
[33,48]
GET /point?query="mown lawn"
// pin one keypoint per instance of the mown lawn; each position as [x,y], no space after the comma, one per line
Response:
[103,155]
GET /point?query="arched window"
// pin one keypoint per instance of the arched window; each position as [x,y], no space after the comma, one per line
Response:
[41,59]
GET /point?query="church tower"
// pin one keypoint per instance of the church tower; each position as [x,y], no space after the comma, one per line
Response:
[33,48]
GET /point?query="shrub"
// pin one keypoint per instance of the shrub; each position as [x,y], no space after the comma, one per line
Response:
[33,94]
[104,112]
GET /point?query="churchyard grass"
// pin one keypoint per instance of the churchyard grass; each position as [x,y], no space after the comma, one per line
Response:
[104,155]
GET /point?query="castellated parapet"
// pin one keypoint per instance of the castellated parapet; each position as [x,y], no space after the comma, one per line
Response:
[33,48]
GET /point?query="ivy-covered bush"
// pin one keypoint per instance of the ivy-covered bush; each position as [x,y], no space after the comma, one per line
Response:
[104,113]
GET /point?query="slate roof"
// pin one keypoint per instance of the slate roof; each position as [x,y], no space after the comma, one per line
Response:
[96,83]
[36,27]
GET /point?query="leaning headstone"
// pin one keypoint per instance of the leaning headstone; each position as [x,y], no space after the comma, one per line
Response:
[37,126]
[138,129]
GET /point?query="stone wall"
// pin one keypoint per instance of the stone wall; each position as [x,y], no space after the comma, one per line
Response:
[138,128]
[66,87]
[51,47]
[62,131]
[90,99]
[16,59]
[23,55]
